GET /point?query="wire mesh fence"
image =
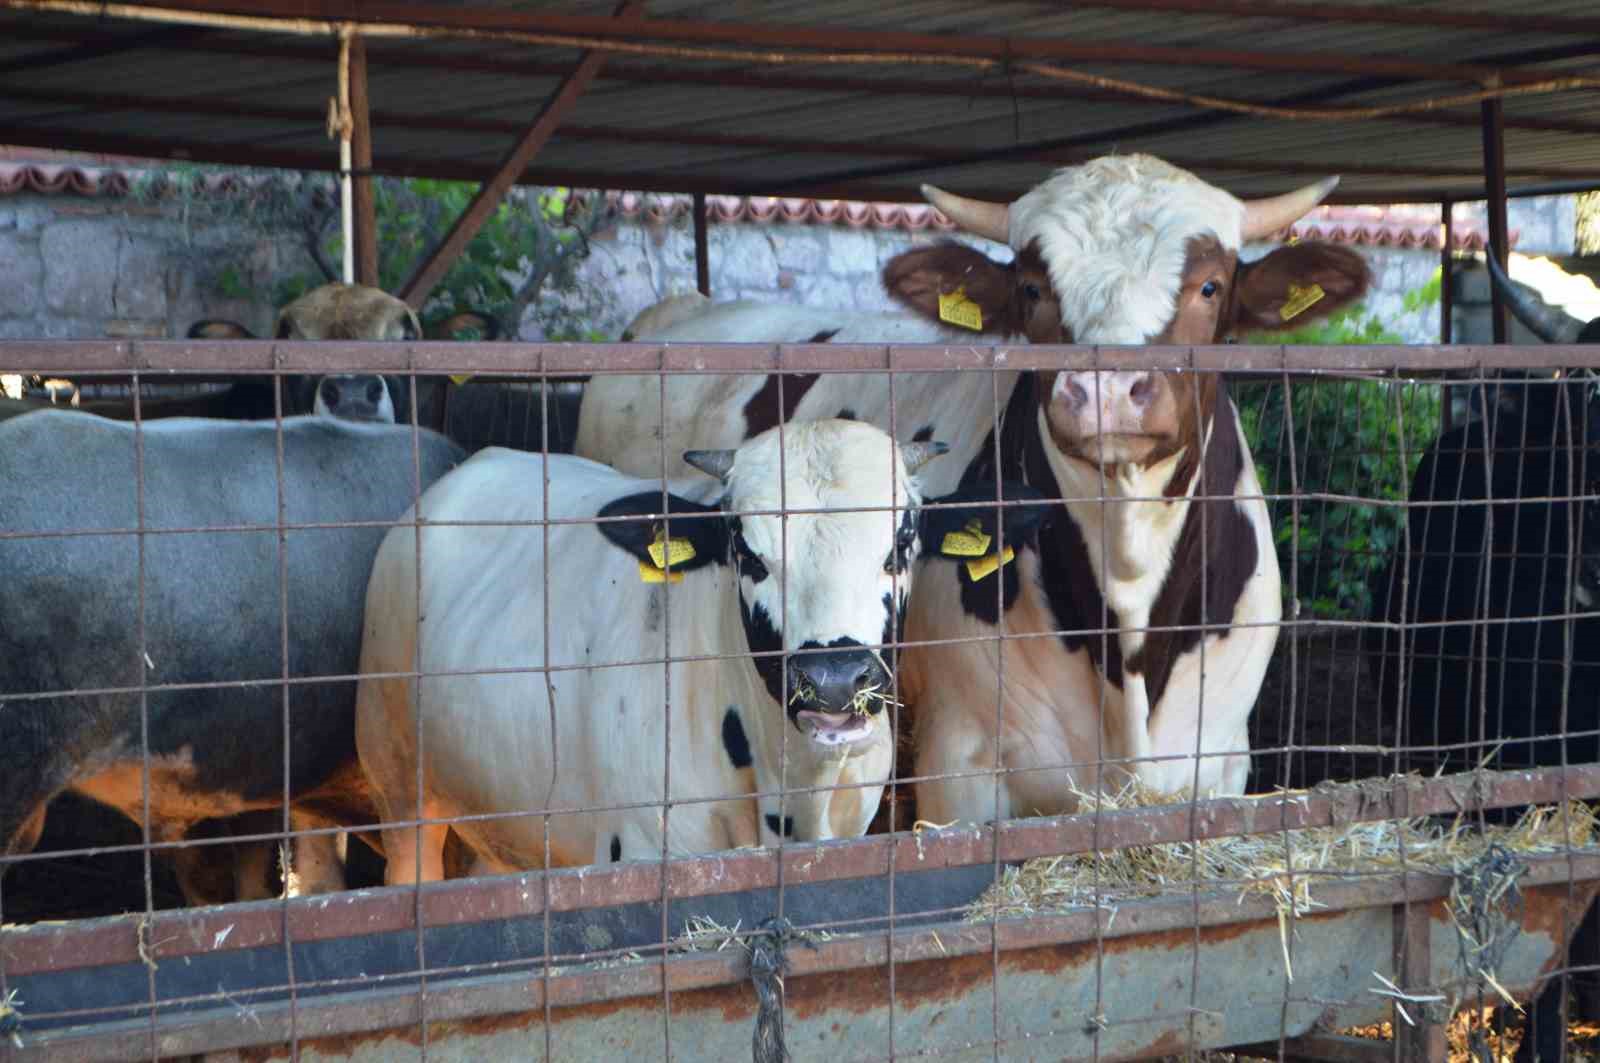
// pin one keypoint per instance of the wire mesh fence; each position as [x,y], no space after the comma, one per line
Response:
[975,746]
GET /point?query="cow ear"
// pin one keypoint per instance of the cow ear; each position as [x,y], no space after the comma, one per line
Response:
[918,279]
[1296,285]
[213,329]
[466,325]
[965,524]
[701,533]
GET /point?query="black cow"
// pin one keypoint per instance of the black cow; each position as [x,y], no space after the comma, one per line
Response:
[72,611]
[1484,679]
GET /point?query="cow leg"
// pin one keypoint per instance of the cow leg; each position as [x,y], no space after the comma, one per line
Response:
[968,797]
[403,846]
[317,864]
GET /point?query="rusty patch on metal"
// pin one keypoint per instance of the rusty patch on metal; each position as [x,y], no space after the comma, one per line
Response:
[865,990]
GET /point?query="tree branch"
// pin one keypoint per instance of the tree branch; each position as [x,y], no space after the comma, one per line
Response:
[597,218]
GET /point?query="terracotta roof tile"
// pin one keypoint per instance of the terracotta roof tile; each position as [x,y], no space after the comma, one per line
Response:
[1401,227]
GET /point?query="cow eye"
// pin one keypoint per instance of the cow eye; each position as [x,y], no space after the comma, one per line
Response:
[1208,289]
[903,542]
[1031,290]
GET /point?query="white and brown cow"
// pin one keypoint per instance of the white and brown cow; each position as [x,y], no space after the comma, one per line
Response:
[490,597]
[1119,250]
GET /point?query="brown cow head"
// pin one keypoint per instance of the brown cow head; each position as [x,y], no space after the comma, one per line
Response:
[1129,250]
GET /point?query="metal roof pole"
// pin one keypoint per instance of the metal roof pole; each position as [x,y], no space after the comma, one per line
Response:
[366,214]
[1494,178]
[702,253]
[339,128]
[437,262]
[1447,210]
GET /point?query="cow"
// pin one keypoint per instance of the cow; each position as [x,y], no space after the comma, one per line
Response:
[1118,250]
[1477,678]
[816,597]
[80,636]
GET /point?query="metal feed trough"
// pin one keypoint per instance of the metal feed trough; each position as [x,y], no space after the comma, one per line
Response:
[862,949]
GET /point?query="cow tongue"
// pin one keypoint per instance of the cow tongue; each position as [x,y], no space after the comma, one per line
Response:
[834,728]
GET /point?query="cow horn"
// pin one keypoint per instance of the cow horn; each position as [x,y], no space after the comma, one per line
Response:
[718,463]
[1263,217]
[990,220]
[416,323]
[1549,323]
[916,455]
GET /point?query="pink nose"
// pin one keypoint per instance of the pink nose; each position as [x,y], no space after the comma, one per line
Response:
[1074,388]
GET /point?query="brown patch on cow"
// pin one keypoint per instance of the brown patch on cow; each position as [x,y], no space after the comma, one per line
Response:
[175,803]
[763,411]
[1262,287]
[348,312]
[450,328]
[1014,300]
[1217,539]
[213,329]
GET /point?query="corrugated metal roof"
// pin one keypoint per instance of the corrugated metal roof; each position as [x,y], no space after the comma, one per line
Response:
[452,107]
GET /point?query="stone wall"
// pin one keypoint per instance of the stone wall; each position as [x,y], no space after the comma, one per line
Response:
[95,267]
[74,267]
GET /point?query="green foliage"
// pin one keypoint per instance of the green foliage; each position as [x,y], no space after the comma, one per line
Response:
[1356,443]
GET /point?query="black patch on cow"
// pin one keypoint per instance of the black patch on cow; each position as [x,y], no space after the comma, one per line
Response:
[847,414]
[734,740]
[762,637]
[986,598]
[923,434]
[763,411]
[824,336]
[707,533]
[746,560]
[788,825]
[616,848]
[905,542]
[894,623]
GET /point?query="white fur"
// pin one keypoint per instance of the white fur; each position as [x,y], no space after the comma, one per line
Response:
[487,743]
[1114,233]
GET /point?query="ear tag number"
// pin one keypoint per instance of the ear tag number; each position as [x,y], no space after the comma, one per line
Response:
[1300,300]
[956,309]
[980,567]
[970,541]
[664,553]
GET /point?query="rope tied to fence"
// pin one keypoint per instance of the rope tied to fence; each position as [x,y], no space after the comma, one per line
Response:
[769,962]
[1485,908]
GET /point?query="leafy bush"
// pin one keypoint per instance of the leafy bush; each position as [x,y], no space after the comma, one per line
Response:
[1355,441]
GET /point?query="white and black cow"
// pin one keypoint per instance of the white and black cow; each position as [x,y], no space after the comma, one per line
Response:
[814,595]
[71,619]
[1120,250]
[1461,654]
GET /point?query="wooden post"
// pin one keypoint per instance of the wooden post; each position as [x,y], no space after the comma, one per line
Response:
[1413,962]
[1494,176]
[702,256]
[437,262]
[366,217]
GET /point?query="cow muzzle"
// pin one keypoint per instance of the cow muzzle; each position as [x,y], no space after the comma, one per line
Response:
[1108,417]
[834,694]
[355,398]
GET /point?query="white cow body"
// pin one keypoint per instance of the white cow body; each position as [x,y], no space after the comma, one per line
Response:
[704,410]
[624,738]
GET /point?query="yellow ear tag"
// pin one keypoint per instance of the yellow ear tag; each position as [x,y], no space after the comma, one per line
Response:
[664,553]
[460,379]
[970,541]
[980,567]
[956,309]
[1301,300]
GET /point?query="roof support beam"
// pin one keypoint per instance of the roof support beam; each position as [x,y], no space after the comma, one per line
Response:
[366,222]
[438,261]
[1399,15]
[445,21]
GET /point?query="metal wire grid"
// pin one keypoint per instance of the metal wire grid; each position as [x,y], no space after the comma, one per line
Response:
[1096,831]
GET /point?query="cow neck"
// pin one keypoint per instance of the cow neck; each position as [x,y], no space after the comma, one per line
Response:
[740,684]
[1157,549]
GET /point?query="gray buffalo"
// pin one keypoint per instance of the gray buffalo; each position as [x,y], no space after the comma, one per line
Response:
[78,639]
